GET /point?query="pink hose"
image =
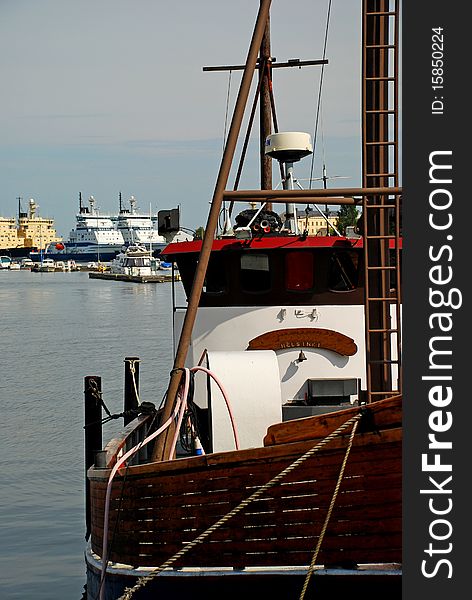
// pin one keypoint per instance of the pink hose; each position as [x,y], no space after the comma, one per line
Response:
[180,408]
[225,396]
[118,464]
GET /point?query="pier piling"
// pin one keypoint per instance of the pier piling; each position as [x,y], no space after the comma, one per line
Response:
[93,434]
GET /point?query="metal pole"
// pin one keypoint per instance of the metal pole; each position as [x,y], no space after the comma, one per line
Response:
[93,435]
[162,447]
[291,220]
[282,196]
[131,399]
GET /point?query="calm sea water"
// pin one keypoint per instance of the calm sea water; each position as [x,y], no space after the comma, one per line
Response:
[56,328]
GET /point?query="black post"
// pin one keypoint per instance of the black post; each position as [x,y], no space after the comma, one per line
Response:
[93,435]
[131,400]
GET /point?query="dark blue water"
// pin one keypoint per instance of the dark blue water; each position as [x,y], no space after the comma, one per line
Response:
[56,328]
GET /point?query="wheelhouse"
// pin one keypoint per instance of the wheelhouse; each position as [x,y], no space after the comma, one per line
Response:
[279,270]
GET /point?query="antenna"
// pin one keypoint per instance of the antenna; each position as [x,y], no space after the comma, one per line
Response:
[288,148]
[20,212]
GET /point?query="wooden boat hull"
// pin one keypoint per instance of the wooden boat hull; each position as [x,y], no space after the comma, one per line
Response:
[278,584]
[157,508]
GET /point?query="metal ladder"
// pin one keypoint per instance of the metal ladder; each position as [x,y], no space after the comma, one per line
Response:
[381,213]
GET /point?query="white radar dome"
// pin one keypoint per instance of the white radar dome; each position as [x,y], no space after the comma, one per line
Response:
[289,146]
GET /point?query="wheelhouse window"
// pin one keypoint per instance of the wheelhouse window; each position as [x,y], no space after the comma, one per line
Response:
[299,271]
[215,280]
[255,273]
[343,271]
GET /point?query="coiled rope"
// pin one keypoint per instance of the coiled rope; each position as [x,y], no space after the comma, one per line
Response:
[142,581]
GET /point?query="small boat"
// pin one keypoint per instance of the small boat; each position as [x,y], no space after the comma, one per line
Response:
[60,265]
[14,266]
[47,265]
[26,263]
[275,457]
[135,260]
[5,262]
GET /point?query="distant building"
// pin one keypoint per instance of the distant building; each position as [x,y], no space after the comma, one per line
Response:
[316,223]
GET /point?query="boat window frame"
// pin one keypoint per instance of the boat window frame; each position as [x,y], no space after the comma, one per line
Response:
[336,253]
[254,255]
[216,264]
[299,253]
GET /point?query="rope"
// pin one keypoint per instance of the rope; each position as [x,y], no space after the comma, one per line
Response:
[319,91]
[142,581]
[98,395]
[132,368]
[330,510]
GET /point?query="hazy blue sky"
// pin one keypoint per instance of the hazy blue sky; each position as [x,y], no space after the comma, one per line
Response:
[103,96]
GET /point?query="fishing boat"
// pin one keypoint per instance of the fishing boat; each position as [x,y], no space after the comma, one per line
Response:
[273,465]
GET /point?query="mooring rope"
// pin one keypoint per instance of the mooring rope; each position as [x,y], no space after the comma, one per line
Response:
[132,368]
[330,510]
[142,581]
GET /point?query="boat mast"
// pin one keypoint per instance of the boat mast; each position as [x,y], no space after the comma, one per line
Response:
[162,448]
[265,76]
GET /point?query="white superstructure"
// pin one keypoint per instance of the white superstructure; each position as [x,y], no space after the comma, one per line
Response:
[96,230]
[138,228]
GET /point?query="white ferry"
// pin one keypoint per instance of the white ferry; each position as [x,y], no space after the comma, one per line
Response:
[138,228]
[100,238]
[94,238]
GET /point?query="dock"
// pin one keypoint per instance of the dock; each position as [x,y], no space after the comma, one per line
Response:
[134,278]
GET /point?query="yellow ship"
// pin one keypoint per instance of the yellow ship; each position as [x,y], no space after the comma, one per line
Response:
[30,233]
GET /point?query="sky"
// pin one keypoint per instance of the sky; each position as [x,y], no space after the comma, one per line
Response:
[108,96]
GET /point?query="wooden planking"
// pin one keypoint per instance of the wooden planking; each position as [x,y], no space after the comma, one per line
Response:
[308,497]
[356,548]
[119,442]
[348,507]
[170,526]
[280,516]
[386,413]
[304,337]
[189,466]
[210,476]
[305,494]
[164,505]
[204,511]
[162,493]
[242,532]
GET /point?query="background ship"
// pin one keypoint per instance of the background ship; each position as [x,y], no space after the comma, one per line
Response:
[100,237]
[30,233]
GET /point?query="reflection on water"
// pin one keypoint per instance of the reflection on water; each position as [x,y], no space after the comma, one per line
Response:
[56,329]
